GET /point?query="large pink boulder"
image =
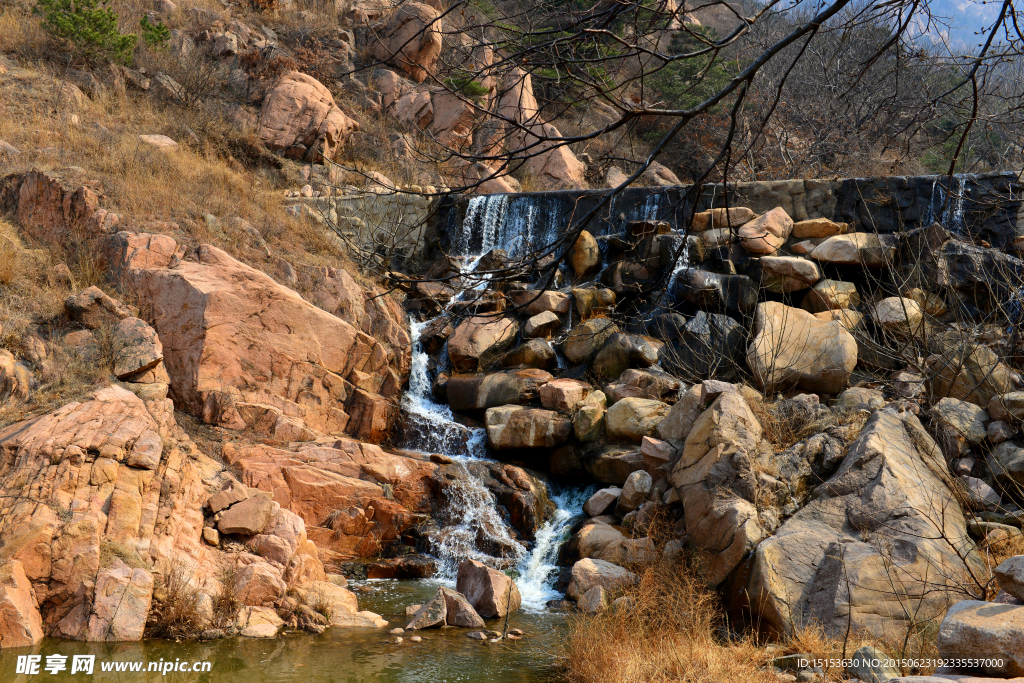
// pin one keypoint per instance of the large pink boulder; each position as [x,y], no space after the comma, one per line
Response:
[490,592]
[231,335]
[411,41]
[300,118]
[766,233]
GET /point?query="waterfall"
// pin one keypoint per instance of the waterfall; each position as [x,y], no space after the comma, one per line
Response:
[538,570]
[952,216]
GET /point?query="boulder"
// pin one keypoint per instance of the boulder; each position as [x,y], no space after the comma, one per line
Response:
[20,623]
[300,118]
[533,301]
[999,431]
[979,495]
[597,540]
[586,339]
[817,227]
[584,255]
[631,419]
[622,351]
[600,502]
[564,394]
[966,420]
[781,274]
[16,379]
[1008,407]
[590,302]
[793,348]
[594,601]
[969,372]
[713,291]
[766,233]
[137,348]
[432,614]
[93,308]
[479,341]
[899,314]
[459,611]
[542,325]
[534,353]
[52,213]
[248,517]
[830,295]
[517,427]
[588,573]
[932,304]
[857,248]
[712,219]
[651,383]
[259,584]
[258,622]
[832,563]
[612,464]
[588,421]
[634,492]
[1006,462]
[479,392]
[232,335]
[411,41]
[232,492]
[860,398]
[988,631]
[1010,576]
[709,347]
[872,666]
[491,593]
[657,453]
[845,317]
[714,481]
[681,416]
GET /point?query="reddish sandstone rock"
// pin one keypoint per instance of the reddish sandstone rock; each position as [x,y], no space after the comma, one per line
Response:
[299,116]
[52,212]
[490,592]
[766,233]
[20,623]
[232,335]
[412,40]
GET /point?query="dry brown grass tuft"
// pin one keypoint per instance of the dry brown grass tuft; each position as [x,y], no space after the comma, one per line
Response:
[671,630]
[176,612]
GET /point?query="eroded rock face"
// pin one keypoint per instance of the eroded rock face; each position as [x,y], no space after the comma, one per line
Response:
[888,511]
[20,623]
[232,335]
[54,213]
[299,117]
[517,427]
[412,40]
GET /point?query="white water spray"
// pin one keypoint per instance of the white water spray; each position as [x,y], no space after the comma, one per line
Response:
[539,570]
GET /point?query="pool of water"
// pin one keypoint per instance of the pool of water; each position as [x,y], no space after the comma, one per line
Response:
[336,656]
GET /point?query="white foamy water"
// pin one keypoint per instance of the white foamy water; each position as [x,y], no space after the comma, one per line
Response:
[538,571]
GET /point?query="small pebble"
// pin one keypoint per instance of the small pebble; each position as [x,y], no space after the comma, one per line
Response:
[477,635]
[416,639]
[397,640]
[397,631]
[516,632]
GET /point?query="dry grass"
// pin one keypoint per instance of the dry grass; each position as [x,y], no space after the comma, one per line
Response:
[786,422]
[225,603]
[176,613]
[672,630]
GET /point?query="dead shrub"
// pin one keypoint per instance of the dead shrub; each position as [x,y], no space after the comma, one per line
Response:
[176,613]
[225,603]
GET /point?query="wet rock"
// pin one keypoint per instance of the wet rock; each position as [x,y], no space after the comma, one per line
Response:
[479,392]
[411,567]
[590,302]
[586,339]
[716,292]
[710,347]
[516,427]
[433,614]
[622,351]
[460,612]
[534,302]
[631,419]
[542,325]
[259,622]
[492,593]
[534,353]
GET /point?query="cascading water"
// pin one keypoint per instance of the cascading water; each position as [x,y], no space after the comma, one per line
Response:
[952,215]
[538,570]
